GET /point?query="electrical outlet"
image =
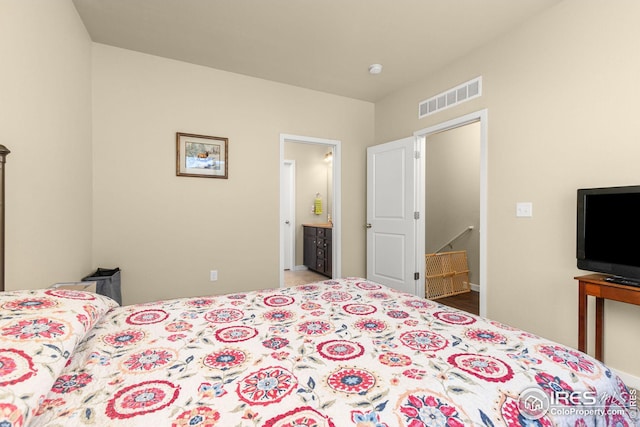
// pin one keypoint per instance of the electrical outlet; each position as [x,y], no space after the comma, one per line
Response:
[213,275]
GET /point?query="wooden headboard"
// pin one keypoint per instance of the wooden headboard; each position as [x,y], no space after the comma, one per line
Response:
[3,156]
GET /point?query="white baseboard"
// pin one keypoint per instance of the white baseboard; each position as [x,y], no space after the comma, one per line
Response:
[630,380]
[474,287]
[299,268]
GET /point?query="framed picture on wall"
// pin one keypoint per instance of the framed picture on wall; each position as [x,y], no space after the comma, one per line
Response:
[202,156]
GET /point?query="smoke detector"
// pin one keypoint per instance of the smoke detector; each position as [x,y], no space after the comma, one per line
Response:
[375,68]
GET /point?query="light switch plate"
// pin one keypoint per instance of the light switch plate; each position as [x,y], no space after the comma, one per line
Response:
[524,209]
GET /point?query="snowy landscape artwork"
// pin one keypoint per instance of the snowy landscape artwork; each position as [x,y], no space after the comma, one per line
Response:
[201,156]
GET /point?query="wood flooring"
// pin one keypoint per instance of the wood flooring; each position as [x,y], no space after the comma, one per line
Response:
[469,301]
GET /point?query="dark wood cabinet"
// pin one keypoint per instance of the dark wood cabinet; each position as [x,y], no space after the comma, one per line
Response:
[317,254]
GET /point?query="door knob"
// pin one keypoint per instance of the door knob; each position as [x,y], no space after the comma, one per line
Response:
[368,225]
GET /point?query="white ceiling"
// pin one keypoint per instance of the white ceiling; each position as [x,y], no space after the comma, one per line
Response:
[325,45]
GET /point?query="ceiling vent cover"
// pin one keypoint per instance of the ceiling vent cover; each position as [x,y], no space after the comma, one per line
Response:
[457,95]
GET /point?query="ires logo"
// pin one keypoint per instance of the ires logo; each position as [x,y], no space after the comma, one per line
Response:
[534,404]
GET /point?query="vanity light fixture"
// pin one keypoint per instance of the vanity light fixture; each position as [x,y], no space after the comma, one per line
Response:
[328,157]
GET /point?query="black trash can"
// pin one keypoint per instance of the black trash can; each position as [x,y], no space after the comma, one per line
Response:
[107,283]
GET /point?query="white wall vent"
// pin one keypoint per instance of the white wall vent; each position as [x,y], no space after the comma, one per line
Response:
[457,95]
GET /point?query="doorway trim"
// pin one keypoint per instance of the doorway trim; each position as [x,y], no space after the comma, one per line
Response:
[288,210]
[336,208]
[477,116]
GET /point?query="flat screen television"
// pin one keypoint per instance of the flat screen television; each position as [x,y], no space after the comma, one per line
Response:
[608,235]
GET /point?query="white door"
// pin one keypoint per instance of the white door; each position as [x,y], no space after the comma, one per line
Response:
[288,210]
[391,206]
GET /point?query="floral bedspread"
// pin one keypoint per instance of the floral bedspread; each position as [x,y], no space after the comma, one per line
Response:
[337,353]
[39,330]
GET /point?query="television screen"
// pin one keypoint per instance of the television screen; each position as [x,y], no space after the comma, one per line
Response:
[608,235]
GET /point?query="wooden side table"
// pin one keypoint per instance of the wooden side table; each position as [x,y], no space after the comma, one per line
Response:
[595,285]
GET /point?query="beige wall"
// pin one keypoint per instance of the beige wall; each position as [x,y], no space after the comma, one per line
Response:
[167,232]
[312,176]
[452,193]
[45,120]
[562,98]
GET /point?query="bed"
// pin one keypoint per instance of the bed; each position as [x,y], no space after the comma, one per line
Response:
[346,352]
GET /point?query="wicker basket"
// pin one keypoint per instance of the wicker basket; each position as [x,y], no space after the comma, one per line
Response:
[447,274]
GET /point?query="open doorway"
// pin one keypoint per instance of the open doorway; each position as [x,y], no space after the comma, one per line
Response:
[309,202]
[452,216]
[458,234]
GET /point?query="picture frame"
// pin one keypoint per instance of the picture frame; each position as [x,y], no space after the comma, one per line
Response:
[202,156]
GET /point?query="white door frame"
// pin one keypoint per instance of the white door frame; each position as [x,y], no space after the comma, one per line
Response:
[477,116]
[289,211]
[336,209]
